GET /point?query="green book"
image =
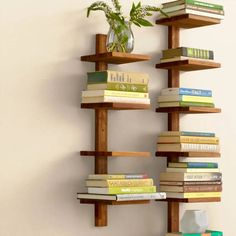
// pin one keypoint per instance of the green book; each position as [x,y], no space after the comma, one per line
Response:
[195,3]
[117,77]
[208,233]
[141,88]
[185,104]
[122,190]
[188,52]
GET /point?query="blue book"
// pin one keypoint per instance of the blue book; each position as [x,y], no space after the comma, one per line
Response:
[187,91]
[201,134]
[193,165]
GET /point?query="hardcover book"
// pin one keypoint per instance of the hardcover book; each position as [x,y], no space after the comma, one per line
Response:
[185,104]
[193,164]
[117,176]
[193,195]
[184,98]
[192,170]
[187,133]
[186,91]
[188,139]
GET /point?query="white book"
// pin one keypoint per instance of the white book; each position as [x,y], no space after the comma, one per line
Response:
[116,99]
[123,197]
[192,170]
[194,12]
[188,147]
[182,58]
[99,93]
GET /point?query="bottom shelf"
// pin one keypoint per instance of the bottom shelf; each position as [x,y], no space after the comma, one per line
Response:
[192,200]
[112,202]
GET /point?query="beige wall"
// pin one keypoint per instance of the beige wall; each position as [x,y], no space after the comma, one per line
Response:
[42,128]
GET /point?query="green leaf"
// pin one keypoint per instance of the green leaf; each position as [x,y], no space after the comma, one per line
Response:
[136,23]
[144,22]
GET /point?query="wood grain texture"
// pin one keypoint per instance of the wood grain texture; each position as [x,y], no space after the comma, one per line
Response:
[188,110]
[115,106]
[191,200]
[189,154]
[173,216]
[115,154]
[189,65]
[188,21]
[111,202]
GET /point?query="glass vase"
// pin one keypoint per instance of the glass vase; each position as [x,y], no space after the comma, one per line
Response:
[120,38]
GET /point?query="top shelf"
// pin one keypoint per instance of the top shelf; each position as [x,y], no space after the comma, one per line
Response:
[115,58]
[188,21]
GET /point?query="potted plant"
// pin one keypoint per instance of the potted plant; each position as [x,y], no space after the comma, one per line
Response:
[120,37]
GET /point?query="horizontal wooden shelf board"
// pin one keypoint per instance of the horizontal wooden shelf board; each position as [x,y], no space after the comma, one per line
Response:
[189,65]
[188,21]
[115,154]
[115,106]
[188,154]
[115,58]
[112,202]
[192,200]
[188,110]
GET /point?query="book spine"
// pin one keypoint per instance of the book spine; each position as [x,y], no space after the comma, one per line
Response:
[203,176]
[145,196]
[203,134]
[131,176]
[203,188]
[130,183]
[192,147]
[198,140]
[198,53]
[141,88]
[202,165]
[117,77]
[124,190]
[186,98]
[205,9]
[202,194]
[195,92]
[204,4]
[198,104]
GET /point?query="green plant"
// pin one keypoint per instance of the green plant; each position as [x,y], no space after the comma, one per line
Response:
[119,23]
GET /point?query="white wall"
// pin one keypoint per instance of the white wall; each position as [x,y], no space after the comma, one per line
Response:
[42,128]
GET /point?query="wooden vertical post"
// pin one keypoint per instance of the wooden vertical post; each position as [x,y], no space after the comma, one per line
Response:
[101,118]
[173,125]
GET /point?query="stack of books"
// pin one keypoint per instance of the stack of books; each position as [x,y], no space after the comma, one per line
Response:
[121,187]
[186,53]
[185,141]
[117,87]
[182,7]
[207,233]
[185,97]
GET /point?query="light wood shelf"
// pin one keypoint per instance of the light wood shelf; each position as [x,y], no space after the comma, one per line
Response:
[115,154]
[188,21]
[188,110]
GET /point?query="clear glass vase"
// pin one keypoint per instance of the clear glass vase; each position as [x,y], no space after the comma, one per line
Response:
[120,38]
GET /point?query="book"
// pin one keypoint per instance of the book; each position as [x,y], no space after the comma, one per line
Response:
[192,170]
[189,183]
[193,2]
[208,233]
[117,176]
[141,88]
[188,139]
[188,52]
[187,133]
[187,147]
[184,98]
[185,104]
[122,190]
[120,183]
[186,91]
[193,7]
[116,100]
[193,164]
[123,197]
[167,176]
[194,12]
[190,189]
[193,195]
[181,58]
[117,77]
[104,93]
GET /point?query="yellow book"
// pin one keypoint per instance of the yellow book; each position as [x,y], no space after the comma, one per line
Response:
[184,98]
[188,139]
[193,195]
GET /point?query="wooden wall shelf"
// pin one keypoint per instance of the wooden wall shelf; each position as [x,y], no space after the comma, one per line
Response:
[188,154]
[110,202]
[188,65]
[191,200]
[115,106]
[188,110]
[115,154]
[188,21]
[115,58]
